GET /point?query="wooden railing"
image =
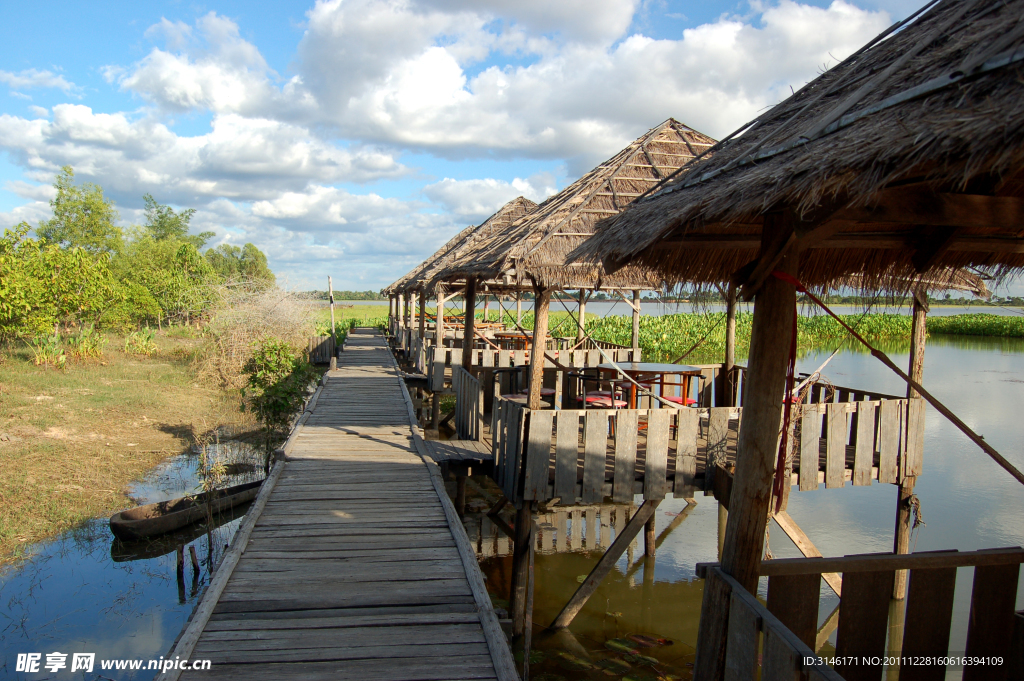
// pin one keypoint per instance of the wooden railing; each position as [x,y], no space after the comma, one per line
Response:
[559,530]
[441,360]
[592,453]
[321,349]
[469,405]
[789,622]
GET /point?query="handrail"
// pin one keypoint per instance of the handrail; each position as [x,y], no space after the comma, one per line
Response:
[884,562]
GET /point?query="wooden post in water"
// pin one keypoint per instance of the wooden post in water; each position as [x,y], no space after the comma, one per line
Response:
[468,324]
[650,538]
[905,488]
[636,323]
[195,560]
[730,397]
[541,303]
[757,448]
[522,542]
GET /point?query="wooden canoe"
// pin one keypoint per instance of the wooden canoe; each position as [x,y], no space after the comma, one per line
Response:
[166,516]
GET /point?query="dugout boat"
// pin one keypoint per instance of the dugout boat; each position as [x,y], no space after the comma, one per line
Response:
[166,516]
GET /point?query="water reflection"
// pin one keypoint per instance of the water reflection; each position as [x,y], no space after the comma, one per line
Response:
[87,592]
[968,503]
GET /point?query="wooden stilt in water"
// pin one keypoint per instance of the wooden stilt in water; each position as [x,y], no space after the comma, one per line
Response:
[905,488]
[650,538]
[757,447]
[521,567]
[541,303]
[605,565]
[460,495]
[195,560]
[528,626]
[181,561]
[647,596]
[469,318]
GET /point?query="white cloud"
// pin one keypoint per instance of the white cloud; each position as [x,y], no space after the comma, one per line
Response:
[34,78]
[476,200]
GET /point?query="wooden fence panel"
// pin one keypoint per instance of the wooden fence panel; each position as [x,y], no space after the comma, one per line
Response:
[626,422]
[595,444]
[864,447]
[687,428]
[810,456]
[835,445]
[888,440]
[656,459]
[567,438]
[538,455]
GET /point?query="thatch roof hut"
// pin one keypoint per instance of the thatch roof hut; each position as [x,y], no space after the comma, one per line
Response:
[903,159]
[906,159]
[533,250]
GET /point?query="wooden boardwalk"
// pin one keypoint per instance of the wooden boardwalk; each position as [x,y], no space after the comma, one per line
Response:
[352,563]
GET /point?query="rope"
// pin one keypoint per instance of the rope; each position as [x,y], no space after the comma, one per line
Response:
[884,359]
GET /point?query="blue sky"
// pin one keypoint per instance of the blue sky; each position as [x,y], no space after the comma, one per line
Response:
[352,137]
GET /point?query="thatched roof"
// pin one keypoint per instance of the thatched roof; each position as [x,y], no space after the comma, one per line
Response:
[534,248]
[905,159]
[422,274]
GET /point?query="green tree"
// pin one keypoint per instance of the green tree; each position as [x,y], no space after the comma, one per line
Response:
[164,224]
[82,217]
[247,262]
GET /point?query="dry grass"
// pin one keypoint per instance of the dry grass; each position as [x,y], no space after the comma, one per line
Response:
[246,317]
[70,442]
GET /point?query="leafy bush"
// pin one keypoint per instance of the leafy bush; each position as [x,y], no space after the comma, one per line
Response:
[86,343]
[977,325]
[276,378]
[140,343]
[49,351]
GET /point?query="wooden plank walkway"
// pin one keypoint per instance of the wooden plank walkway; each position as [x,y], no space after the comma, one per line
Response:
[356,566]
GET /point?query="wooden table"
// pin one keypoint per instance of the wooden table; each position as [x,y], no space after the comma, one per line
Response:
[653,373]
[516,340]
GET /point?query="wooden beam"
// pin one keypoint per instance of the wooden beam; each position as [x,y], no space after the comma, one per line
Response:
[807,547]
[605,564]
[917,205]
[541,304]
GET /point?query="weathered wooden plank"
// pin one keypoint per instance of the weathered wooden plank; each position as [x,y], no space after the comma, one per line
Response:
[538,455]
[656,459]
[741,647]
[718,434]
[810,425]
[595,447]
[929,614]
[567,437]
[626,423]
[990,624]
[794,600]
[864,447]
[914,459]
[862,621]
[888,440]
[835,445]
[687,426]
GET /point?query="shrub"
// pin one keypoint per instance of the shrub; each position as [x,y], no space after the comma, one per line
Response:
[49,351]
[140,343]
[276,378]
[86,343]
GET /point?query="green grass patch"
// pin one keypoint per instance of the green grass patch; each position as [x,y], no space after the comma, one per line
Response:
[978,324]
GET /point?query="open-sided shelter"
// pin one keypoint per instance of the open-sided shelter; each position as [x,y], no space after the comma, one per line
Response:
[904,161]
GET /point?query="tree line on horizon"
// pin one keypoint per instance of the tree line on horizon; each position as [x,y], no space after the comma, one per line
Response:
[80,268]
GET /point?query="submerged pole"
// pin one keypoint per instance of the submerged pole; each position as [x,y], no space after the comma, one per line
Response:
[522,543]
[469,320]
[905,488]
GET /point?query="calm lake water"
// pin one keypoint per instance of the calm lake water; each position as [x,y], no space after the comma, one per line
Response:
[79,593]
[87,592]
[967,501]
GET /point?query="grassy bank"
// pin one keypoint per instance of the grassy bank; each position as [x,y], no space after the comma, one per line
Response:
[71,441]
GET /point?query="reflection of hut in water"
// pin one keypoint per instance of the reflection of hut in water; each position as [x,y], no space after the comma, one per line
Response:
[903,162]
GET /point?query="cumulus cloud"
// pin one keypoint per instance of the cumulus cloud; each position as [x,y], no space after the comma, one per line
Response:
[477,200]
[33,78]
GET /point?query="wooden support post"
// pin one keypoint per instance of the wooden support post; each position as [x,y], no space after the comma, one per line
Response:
[330,297]
[541,302]
[391,313]
[435,410]
[487,307]
[650,538]
[905,488]
[192,555]
[605,565]
[181,561]
[582,314]
[757,448]
[521,567]
[439,321]
[460,495]
[469,318]
[636,322]
[729,383]
[421,355]
[519,309]
[723,521]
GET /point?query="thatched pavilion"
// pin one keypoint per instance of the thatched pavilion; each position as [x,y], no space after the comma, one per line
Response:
[531,253]
[904,161]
